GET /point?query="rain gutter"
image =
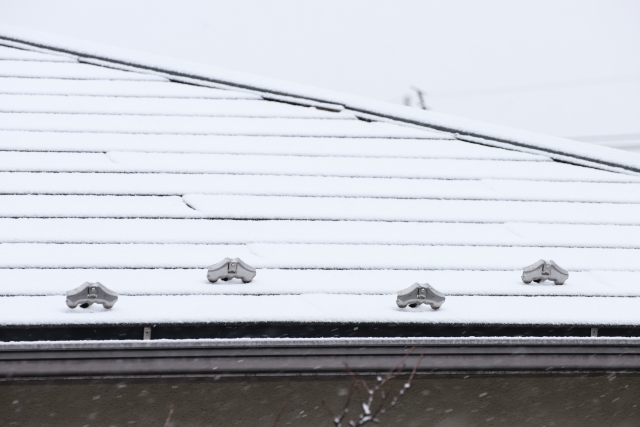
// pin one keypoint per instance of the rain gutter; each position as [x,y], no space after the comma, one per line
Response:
[285,357]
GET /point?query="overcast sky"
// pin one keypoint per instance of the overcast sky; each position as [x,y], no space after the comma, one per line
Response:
[564,67]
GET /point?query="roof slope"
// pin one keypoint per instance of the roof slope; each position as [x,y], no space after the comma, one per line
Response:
[194,73]
[139,181]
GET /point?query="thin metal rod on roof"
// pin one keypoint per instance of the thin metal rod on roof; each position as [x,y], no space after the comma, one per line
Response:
[421,97]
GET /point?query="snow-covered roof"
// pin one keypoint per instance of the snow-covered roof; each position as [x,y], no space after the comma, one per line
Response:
[139,172]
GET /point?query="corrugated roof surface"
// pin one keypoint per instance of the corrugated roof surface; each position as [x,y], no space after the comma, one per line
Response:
[140,183]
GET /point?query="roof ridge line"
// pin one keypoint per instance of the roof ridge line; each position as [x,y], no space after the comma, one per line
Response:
[190,72]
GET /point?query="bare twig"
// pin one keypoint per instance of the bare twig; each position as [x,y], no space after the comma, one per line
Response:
[404,388]
[400,363]
[277,419]
[354,382]
[333,417]
[337,421]
[380,391]
[166,423]
[366,387]
[415,368]
[384,396]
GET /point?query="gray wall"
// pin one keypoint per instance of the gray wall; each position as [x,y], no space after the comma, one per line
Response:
[431,401]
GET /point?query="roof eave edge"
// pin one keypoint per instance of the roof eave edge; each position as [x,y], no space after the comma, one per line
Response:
[317,357]
[555,147]
[316,342]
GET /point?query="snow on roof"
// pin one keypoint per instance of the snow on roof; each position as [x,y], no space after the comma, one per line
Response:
[114,170]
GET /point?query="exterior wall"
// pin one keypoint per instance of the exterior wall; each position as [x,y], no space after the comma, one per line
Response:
[431,401]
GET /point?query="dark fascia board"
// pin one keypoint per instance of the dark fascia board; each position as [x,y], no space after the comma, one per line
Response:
[290,330]
[284,357]
[193,73]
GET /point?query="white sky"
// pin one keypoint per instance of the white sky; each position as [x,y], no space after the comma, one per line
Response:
[563,67]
